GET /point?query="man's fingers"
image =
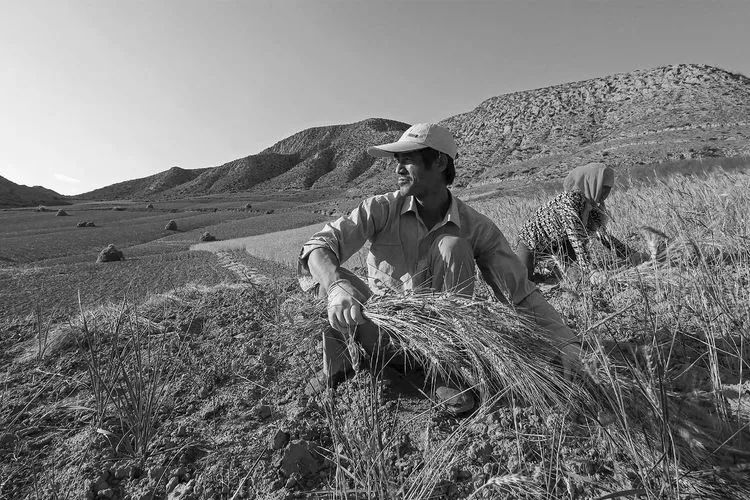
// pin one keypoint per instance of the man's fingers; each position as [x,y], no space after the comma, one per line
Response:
[347,317]
[336,319]
[357,315]
[343,318]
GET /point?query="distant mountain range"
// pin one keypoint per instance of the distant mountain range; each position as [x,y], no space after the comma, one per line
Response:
[18,195]
[639,118]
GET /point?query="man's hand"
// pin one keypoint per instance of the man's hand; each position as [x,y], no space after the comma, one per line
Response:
[344,306]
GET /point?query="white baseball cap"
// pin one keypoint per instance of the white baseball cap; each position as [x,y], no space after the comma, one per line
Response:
[416,137]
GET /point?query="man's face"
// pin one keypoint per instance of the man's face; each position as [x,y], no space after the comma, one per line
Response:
[417,179]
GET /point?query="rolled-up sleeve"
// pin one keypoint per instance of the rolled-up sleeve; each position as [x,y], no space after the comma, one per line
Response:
[507,276]
[344,236]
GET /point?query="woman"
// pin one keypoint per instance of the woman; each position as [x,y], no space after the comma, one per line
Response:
[563,225]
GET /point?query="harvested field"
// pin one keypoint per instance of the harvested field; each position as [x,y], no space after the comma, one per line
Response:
[282,246]
[56,287]
[659,409]
[31,237]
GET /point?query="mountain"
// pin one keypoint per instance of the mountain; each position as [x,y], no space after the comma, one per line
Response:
[17,195]
[639,118]
[332,156]
[643,117]
[145,187]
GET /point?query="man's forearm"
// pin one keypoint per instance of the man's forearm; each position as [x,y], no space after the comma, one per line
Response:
[324,267]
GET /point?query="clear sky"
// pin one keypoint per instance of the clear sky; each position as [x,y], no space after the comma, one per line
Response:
[99,91]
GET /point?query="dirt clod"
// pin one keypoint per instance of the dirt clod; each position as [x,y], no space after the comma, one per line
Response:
[263,411]
[301,457]
[279,440]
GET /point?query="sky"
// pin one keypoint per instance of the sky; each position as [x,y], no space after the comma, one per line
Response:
[100,91]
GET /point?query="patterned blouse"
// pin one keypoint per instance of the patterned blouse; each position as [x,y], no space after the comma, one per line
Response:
[560,219]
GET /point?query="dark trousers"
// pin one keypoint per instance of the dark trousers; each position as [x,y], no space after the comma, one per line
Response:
[451,268]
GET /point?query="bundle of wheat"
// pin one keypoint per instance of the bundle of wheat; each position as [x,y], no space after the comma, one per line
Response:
[496,350]
[481,344]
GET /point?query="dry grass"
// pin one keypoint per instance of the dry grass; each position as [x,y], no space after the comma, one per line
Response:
[129,377]
[664,363]
[658,411]
[662,343]
[57,286]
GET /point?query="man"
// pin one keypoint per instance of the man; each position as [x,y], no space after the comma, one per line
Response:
[421,236]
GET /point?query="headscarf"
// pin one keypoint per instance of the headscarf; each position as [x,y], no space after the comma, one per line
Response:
[589,180]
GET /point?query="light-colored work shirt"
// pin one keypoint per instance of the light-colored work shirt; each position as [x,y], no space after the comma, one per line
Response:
[400,244]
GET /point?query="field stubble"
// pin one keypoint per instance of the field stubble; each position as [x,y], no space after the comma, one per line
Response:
[664,352]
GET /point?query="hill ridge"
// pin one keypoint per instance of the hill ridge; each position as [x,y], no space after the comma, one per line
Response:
[18,195]
[646,116]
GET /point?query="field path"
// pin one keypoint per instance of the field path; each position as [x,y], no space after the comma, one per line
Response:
[244,273]
[280,247]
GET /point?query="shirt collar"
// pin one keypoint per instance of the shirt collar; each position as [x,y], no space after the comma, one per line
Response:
[410,205]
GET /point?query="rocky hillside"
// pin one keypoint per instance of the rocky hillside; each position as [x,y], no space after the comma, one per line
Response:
[16,195]
[146,187]
[644,117]
[639,118]
[319,157]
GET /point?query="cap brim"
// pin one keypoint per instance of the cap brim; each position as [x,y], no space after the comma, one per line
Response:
[388,150]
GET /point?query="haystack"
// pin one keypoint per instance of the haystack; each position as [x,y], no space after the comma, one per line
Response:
[208,237]
[171,225]
[248,206]
[110,254]
[61,213]
[150,206]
